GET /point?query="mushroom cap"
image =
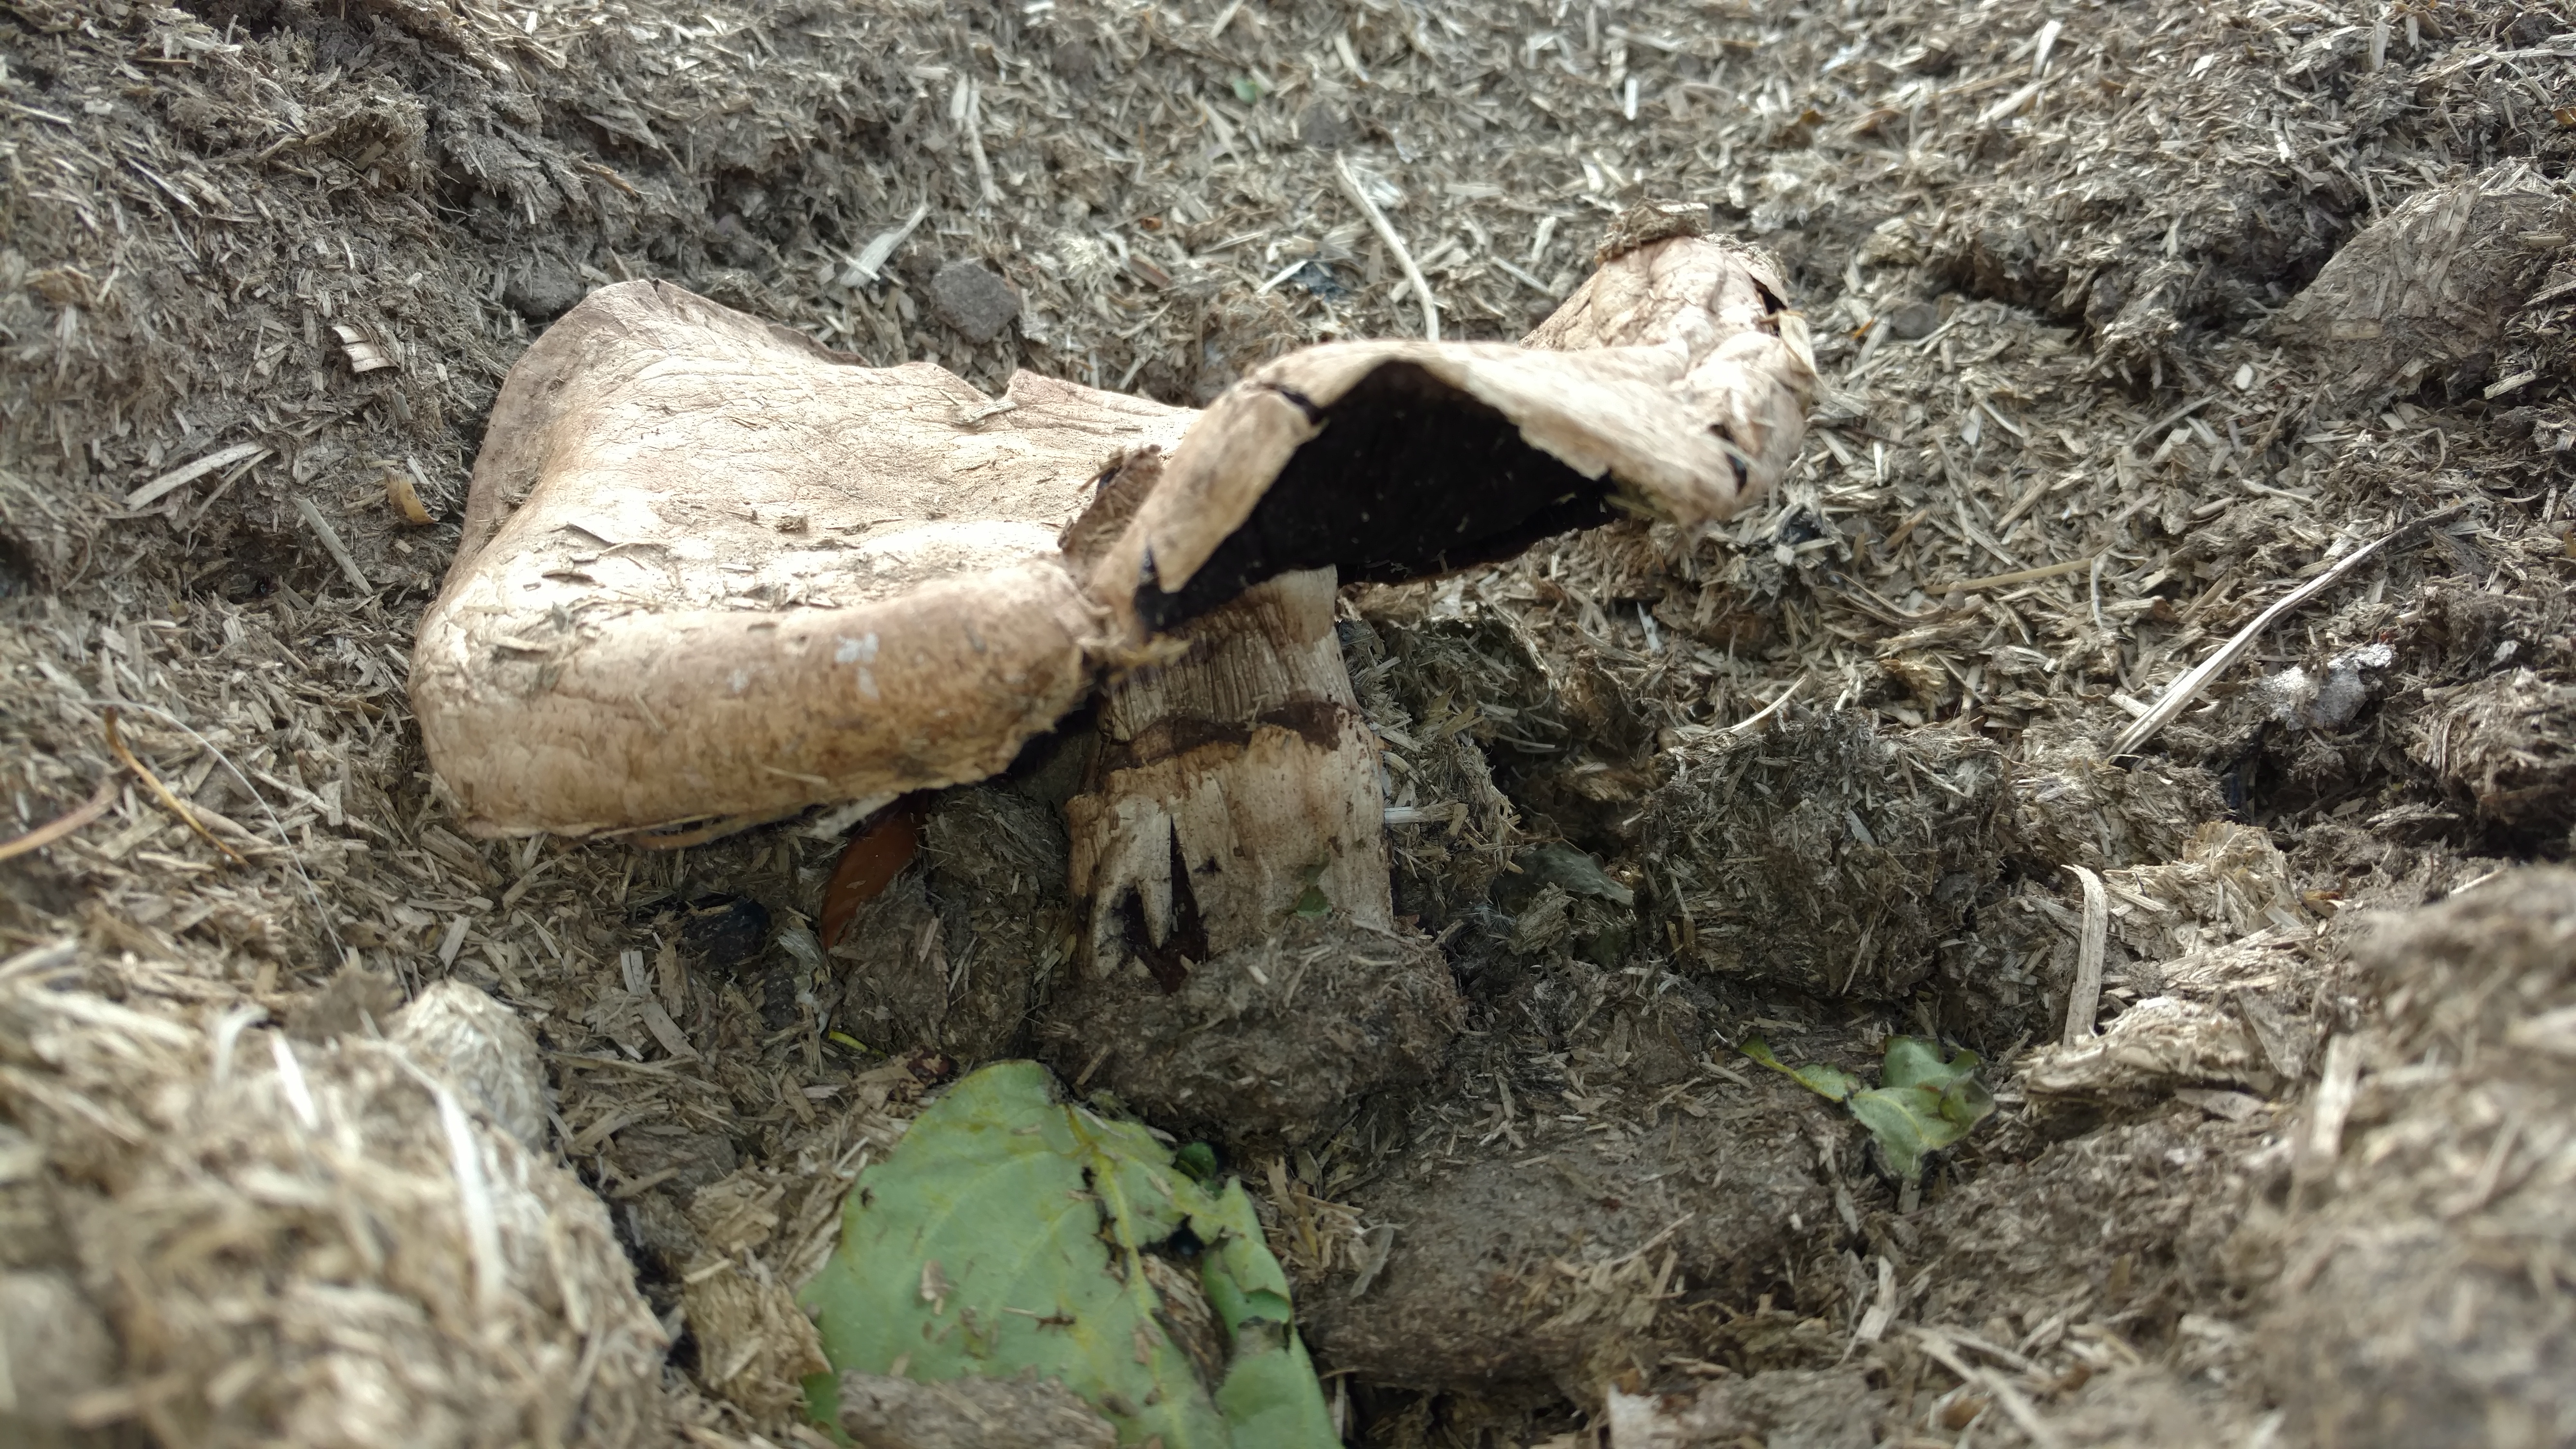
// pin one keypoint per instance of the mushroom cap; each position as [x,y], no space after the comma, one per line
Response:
[713,570]
[1674,383]
[713,573]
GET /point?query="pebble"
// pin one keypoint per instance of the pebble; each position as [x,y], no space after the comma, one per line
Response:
[970,298]
[1914,321]
[544,290]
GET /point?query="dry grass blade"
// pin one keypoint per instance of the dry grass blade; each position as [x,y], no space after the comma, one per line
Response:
[682,838]
[2024,1414]
[2183,691]
[53,830]
[51,956]
[333,544]
[2337,1082]
[1386,233]
[180,477]
[1778,703]
[178,807]
[2085,997]
[2022,576]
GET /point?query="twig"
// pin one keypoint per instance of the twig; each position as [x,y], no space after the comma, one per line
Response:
[2085,999]
[52,956]
[2018,576]
[2182,691]
[56,829]
[2481,1189]
[1386,233]
[1757,717]
[331,543]
[2328,1109]
[178,807]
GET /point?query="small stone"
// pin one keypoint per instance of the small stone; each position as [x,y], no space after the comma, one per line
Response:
[544,290]
[1914,321]
[970,298]
[1077,64]
[56,1349]
[18,571]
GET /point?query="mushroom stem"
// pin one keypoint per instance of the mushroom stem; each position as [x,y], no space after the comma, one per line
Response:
[1236,787]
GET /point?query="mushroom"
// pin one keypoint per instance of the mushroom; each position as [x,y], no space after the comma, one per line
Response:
[713,574]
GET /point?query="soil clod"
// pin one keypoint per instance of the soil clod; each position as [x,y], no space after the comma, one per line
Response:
[971,298]
[1284,1041]
[1823,854]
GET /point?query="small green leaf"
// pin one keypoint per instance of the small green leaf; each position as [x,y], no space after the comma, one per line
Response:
[1911,1061]
[1008,1231]
[1922,1103]
[1965,1103]
[1198,1160]
[1829,1082]
[1898,1126]
[1249,89]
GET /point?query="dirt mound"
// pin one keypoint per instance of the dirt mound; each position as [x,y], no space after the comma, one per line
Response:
[351,1242]
[2419,1297]
[2149,211]
[1770,839]
[1541,1254]
[1281,1042]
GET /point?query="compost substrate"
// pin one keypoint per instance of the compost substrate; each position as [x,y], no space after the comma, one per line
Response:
[1824,774]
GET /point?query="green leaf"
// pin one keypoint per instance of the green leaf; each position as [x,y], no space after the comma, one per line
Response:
[1900,1118]
[1008,1231]
[1910,1061]
[1921,1104]
[1829,1082]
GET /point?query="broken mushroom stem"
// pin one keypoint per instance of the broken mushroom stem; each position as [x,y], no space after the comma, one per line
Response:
[1235,787]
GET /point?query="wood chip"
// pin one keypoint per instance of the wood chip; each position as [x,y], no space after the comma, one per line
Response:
[181,477]
[2084,999]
